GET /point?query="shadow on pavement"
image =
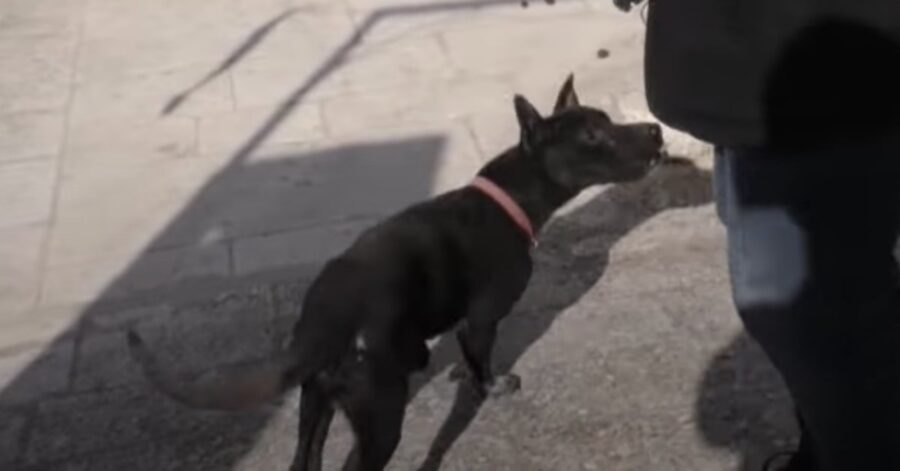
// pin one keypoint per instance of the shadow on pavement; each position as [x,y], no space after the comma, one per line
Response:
[743,405]
[82,405]
[323,72]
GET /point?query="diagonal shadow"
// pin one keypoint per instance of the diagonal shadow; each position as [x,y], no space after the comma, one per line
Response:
[250,43]
[82,402]
[339,56]
[332,63]
[563,274]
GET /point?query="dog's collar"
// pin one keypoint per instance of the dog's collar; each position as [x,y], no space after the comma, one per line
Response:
[509,205]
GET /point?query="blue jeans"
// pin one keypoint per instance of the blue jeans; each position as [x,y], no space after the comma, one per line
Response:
[815,282]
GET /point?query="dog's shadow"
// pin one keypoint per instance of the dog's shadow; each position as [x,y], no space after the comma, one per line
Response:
[573,255]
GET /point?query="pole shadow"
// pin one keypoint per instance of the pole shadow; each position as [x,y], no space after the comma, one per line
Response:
[83,401]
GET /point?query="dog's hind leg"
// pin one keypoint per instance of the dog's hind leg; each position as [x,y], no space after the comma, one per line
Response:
[376,415]
[314,462]
[315,417]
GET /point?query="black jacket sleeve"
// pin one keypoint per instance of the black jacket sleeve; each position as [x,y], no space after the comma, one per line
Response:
[774,72]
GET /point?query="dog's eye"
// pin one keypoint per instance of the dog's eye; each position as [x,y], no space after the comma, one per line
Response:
[594,137]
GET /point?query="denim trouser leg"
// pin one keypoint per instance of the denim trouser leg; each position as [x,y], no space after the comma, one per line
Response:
[810,245]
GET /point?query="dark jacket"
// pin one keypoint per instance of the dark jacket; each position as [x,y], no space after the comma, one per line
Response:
[769,72]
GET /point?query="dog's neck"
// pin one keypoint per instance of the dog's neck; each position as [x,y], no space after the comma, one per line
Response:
[522,177]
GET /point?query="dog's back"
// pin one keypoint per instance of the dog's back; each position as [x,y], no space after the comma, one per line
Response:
[403,281]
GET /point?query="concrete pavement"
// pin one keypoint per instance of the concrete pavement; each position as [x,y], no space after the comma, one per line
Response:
[185,166]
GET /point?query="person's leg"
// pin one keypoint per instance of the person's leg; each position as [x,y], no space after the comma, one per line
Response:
[810,244]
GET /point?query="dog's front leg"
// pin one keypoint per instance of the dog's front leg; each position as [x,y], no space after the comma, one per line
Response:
[476,339]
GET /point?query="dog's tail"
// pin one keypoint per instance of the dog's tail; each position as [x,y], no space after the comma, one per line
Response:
[228,388]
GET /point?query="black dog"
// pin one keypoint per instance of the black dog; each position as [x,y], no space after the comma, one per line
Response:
[461,259]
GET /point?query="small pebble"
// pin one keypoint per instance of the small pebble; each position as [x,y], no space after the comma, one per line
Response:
[603,53]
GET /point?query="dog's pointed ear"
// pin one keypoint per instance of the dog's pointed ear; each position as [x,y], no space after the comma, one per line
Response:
[529,120]
[566,97]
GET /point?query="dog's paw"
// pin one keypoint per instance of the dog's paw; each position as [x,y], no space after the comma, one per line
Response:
[504,385]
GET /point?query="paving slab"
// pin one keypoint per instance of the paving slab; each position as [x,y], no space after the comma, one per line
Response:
[107,277]
[20,263]
[32,372]
[37,18]
[12,428]
[144,36]
[218,136]
[146,93]
[422,101]
[223,330]
[106,141]
[31,135]
[289,189]
[297,247]
[26,192]
[299,59]
[386,22]
[36,71]
[119,209]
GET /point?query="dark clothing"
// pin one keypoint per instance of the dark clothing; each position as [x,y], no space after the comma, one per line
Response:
[802,98]
[760,72]
[810,246]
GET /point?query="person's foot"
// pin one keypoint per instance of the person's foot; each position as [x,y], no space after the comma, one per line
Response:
[800,459]
[780,461]
[787,461]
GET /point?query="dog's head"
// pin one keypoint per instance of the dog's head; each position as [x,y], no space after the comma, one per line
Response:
[579,146]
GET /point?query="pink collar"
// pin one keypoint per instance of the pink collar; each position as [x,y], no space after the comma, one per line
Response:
[508,205]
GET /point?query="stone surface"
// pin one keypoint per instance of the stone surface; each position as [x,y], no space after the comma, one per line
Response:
[234,327]
[35,72]
[20,258]
[388,22]
[36,18]
[302,247]
[118,141]
[83,281]
[26,192]
[146,94]
[426,101]
[37,328]
[298,60]
[183,167]
[30,373]
[411,60]
[88,423]
[12,426]
[224,134]
[119,209]
[30,135]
